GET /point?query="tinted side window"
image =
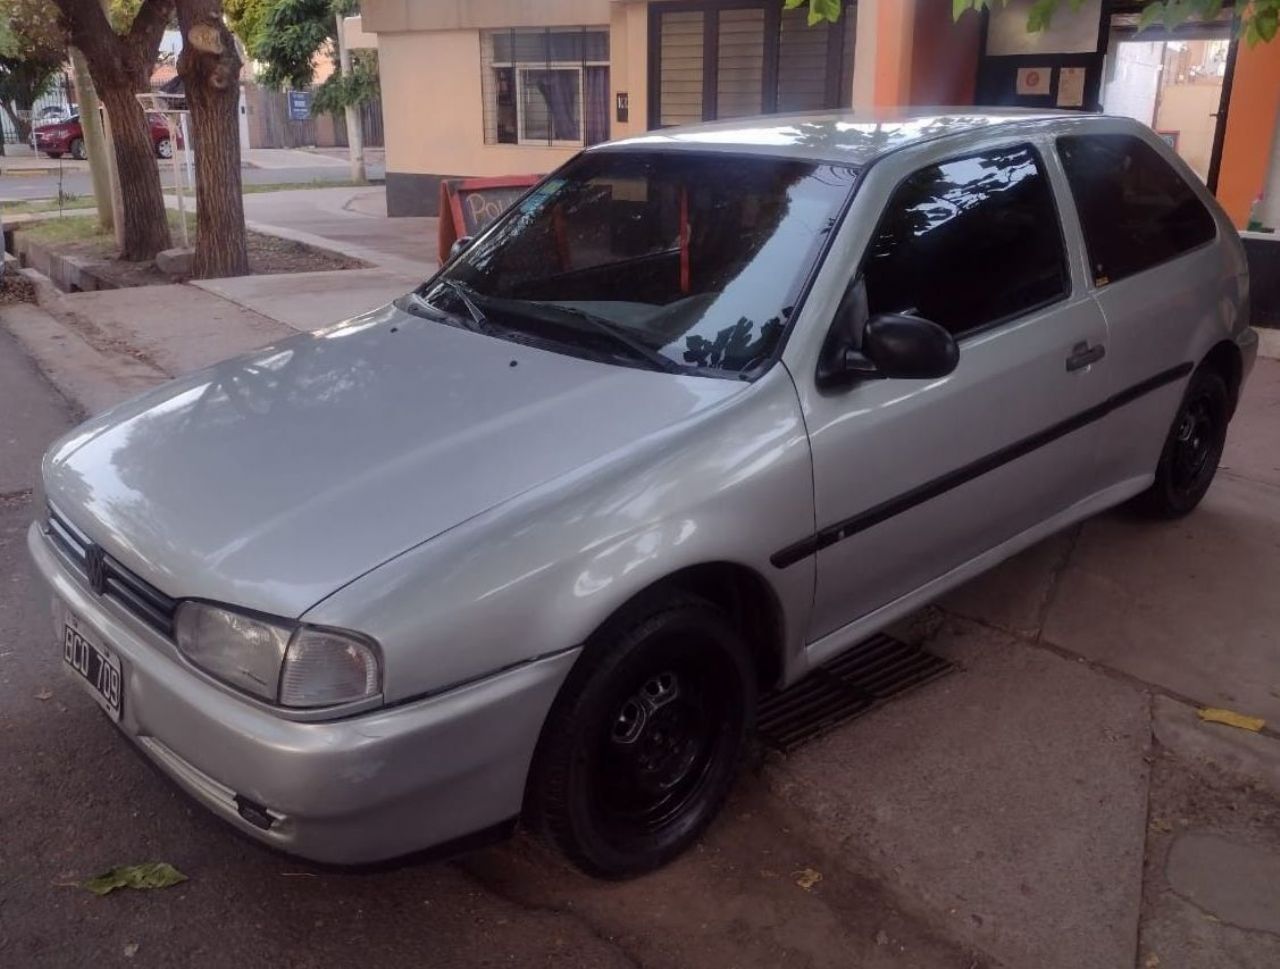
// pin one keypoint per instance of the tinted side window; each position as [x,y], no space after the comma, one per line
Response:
[969,242]
[1136,210]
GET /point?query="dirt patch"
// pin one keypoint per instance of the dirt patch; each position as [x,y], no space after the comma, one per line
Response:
[268,255]
[16,288]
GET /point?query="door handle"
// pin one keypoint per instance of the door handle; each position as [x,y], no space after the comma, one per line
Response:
[1082,355]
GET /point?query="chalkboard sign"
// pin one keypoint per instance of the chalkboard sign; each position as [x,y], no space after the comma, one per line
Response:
[469,205]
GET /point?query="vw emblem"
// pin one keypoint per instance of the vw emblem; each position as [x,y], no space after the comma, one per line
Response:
[95,567]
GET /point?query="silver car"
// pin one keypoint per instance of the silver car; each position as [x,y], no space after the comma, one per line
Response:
[702,410]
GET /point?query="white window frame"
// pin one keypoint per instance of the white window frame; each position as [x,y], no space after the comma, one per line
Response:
[518,67]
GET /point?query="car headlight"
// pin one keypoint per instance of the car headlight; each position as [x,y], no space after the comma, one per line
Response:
[279,661]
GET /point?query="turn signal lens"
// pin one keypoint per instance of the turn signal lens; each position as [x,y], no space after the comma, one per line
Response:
[323,667]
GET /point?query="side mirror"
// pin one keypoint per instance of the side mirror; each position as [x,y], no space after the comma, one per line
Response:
[908,347]
[459,244]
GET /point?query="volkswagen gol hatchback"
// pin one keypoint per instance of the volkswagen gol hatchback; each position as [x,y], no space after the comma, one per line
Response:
[702,410]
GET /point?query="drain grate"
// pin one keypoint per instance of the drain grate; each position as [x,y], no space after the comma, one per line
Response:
[875,670]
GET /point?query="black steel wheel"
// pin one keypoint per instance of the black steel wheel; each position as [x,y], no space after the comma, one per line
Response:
[1192,450]
[644,741]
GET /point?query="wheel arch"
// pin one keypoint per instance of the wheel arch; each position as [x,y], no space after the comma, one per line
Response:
[1226,359]
[746,598]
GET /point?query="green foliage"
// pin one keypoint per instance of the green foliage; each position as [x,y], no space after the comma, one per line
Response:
[1256,20]
[31,54]
[291,34]
[342,90]
[819,10]
[247,20]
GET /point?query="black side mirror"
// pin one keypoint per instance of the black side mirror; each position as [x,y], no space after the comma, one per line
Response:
[908,347]
[459,244]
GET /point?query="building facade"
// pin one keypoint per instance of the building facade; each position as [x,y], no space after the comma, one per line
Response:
[480,88]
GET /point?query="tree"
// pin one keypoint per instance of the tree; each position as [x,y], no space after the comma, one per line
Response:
[287,35]
[120,60]
[1257,20]
[209,66]
[31,55]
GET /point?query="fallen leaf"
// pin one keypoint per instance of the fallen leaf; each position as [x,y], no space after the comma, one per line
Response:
[1160,824]
[153,874]
[1153,960]
[1231,718]
[806,878]
[130,950]
[44,694]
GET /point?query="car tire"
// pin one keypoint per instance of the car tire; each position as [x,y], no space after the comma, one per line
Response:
[1192,449]
[645,739]
[164,148]
[54,154]
[77,150]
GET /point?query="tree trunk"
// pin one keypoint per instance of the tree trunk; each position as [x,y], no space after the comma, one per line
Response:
[146,224]
[210,69]
[120,65]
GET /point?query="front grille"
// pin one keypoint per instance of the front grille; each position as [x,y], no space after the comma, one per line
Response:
[138,597]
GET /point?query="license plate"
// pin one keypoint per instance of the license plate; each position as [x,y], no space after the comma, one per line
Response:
[97,666]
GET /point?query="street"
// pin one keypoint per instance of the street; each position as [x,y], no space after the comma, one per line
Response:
[74,178]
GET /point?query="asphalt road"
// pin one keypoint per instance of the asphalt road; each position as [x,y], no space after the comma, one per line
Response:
[74,182]
[76,800]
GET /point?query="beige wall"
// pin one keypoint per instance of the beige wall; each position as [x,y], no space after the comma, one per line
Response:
[394,15]
[434,112]
[1189,110]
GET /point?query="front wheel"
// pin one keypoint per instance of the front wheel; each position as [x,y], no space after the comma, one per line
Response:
[164,148]
[1192,450]
[644,742]
[77,150]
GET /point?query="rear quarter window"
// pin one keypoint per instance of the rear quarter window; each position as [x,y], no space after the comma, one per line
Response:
[1135,209]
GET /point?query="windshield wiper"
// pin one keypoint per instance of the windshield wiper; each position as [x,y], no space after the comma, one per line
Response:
[479,322]
[651,356]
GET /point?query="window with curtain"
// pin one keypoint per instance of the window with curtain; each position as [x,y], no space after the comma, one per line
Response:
[546,86]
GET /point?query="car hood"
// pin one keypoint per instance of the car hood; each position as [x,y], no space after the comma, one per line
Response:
[273,479]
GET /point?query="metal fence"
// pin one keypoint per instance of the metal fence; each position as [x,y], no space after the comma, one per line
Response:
[55,104]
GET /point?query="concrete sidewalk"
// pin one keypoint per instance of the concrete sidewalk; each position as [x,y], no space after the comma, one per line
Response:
[350,220]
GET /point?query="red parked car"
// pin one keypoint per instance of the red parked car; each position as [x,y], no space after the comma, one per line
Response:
[67,138]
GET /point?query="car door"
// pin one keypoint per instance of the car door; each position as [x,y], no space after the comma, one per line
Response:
[913,478]
[1168,293]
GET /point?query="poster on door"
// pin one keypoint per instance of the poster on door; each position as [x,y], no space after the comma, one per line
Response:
[1071,87]
[1035,81]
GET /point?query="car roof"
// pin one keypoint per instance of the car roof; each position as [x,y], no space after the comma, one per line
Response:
[850,137]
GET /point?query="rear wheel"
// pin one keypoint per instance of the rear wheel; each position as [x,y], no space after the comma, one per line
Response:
[644,741]
[77,149]
[164,148]
[1192,450]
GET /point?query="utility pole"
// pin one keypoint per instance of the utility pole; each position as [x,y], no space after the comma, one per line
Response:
[95,141]
[355,135]
[1269,213]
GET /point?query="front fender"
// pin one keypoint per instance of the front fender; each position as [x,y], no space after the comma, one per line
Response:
[541,572]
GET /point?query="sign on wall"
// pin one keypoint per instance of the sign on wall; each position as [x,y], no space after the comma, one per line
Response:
[299,105]
[1035,81]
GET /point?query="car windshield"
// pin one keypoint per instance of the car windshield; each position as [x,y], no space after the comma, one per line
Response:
[679,261]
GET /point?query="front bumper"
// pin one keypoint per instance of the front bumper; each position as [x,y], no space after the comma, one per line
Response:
[363,789]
